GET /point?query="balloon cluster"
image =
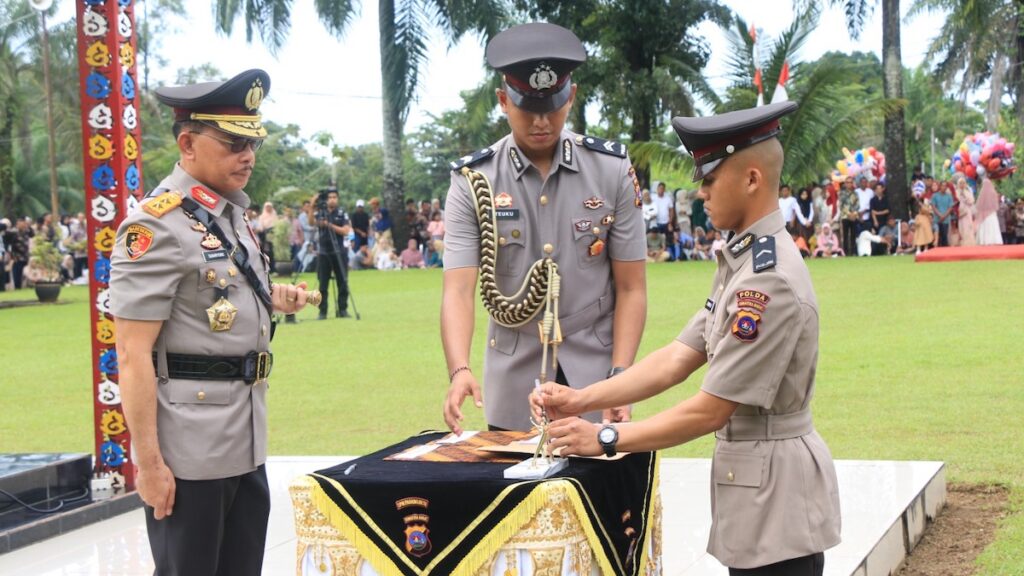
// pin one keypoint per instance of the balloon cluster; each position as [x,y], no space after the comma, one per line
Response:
[864,163]
[983,154]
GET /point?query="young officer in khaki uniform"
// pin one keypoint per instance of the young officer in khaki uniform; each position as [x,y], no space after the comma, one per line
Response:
[775,503]
[559,196]
[192,305]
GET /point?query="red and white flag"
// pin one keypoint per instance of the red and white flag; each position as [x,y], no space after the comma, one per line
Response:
[780,94]
[756,58]
[760,87]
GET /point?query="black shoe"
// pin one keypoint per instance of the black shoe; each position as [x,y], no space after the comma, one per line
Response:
[342,314]
[322,316]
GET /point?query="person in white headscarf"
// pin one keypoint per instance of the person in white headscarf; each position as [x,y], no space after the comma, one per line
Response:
[988,221]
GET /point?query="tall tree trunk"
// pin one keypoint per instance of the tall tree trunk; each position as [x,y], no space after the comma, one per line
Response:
[394,185]
[995,97]
[579,114]
[7,159]
[892,80]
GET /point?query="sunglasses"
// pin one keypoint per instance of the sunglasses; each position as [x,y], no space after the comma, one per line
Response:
[236,145]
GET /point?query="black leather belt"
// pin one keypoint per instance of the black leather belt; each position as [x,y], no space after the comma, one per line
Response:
[250,368]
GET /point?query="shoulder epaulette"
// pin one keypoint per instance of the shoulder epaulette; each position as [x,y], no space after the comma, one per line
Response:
[162,204]
[764,253]
[604,146]
[470,159]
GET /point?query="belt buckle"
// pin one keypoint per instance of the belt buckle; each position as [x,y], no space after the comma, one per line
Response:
[264,363]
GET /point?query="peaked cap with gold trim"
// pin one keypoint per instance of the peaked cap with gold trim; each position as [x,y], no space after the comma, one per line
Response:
[537,60]
[231,106]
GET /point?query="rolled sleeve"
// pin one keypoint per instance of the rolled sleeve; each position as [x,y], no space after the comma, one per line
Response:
[747,368]
[461,229]
[144,288]
[627,239]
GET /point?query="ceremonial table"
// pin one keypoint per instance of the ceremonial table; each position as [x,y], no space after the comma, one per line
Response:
[419,508]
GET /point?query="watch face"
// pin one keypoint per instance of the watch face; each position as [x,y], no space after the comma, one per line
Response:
[606,435]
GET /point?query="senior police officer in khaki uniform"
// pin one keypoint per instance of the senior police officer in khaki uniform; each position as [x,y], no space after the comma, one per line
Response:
[192,303]
[775,503]
[559,198]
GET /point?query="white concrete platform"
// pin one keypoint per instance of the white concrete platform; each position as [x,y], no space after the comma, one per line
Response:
[884,509]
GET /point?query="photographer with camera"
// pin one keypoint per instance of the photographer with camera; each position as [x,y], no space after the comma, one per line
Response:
[334,227]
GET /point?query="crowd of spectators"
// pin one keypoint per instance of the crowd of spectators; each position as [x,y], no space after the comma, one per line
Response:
[18,241]
[846,218]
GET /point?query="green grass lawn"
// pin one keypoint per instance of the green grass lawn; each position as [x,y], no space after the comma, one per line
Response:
[917,362]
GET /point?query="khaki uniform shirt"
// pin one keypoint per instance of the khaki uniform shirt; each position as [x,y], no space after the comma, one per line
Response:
[774,494]
[213,428]
[583,216]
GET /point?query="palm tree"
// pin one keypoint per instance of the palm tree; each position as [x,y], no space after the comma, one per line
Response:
[834,112]
[857,12]
[404,28]
[19,27]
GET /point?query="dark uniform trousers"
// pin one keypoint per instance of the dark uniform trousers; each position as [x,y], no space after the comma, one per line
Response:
[811,565]
[328,262]
[217,528]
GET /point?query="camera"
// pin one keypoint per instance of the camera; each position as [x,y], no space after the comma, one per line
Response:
[321,199]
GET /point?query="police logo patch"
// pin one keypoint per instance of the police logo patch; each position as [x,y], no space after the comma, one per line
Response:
[503,200]
[137,240]
[210,242]
[582,225]
[752,299]
[417,530]
[543,77]
[593,203]
[745,326]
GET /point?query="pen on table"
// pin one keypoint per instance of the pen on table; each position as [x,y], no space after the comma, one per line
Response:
[350,469]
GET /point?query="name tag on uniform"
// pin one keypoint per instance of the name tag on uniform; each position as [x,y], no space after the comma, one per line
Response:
[507,213]
[214,255]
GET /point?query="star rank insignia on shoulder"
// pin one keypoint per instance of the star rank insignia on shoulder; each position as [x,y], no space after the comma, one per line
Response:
[764,253]
[471,159]
[603,146]
[162,204]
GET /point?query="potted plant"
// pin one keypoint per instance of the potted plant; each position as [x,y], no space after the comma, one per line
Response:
[278,236]
[44,269]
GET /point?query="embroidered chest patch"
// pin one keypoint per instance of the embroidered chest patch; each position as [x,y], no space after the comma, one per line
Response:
[137,240]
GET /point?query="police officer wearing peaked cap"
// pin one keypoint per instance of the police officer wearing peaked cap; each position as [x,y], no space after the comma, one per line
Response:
[557,195]
[192,306]
[775,504]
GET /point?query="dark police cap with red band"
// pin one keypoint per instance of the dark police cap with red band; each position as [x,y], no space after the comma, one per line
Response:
[537,60]
[712,139]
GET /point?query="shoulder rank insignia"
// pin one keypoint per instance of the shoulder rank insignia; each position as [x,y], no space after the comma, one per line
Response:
[162,204]
[471,159]
[764,253]
[605,146]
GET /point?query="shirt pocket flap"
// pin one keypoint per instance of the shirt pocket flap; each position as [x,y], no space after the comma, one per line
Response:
[199,392]
[736,469]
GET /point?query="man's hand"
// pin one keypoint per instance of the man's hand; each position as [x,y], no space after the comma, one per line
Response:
[557,400]
[575,436]
[616,415]
[464,384]
[156,487]
[289,299]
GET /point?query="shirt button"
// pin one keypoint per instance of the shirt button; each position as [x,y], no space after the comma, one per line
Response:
[597,230]
[223,282]
[516,233]
[543,200]
[232,271]
[729,476]
[493,343]
[548,248]
[201,395]
[502,241]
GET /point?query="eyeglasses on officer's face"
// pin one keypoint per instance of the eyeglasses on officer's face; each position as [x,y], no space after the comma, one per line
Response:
[236,145]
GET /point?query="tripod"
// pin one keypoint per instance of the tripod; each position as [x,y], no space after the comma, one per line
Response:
[342,268]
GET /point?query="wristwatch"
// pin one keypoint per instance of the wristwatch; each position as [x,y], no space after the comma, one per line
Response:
[607,437]
[615,371]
